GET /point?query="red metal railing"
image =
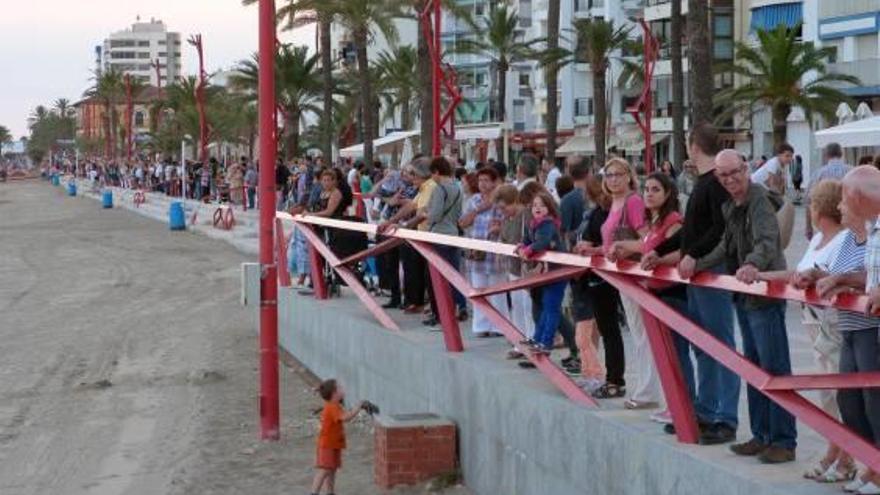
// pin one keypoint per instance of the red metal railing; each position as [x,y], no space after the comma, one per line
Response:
[658,319]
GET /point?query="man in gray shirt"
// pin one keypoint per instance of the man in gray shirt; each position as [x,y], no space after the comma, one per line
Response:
[442,214]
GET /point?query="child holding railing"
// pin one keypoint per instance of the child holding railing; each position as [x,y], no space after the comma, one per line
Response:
[543,235]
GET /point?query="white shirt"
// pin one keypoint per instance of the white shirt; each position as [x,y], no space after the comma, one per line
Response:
[157,171]
[772,167]
[352,176]
[550,183]
[821,257]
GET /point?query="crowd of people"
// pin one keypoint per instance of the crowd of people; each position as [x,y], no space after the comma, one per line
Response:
[718,214]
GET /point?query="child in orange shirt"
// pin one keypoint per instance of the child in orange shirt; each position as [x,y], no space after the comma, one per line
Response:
[331,440]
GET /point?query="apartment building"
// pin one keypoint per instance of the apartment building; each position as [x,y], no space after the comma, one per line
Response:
[852,29]
[134,50]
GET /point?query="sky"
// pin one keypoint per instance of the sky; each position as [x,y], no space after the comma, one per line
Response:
[48,45]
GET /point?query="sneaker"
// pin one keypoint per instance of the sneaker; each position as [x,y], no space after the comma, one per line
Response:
[854,485]
[527,342]
[717,434]
[539,349]
[751,448]
[662,417]
[778,455]
[669,428]
[573,369]
[869,488]
[462,314]
[570,359]
[430,322]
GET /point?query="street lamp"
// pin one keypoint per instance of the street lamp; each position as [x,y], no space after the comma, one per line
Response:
[183,166]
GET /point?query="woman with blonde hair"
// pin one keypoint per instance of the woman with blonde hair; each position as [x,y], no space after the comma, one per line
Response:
[626,222]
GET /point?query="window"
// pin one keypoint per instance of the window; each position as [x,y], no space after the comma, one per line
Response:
[143,44]
[116,55]
[162,42]
[163,54]
[143,55]
[583,107]
[723,37]
[479,9]
[139,119]
[519,111]
[832,54]
[481,78]
[121,43]
[524,78]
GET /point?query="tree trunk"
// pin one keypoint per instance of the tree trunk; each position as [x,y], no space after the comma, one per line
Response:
[405,117]
[426,87]
[678,138]
[552,73]
[780,124]
[327,76]
[293,129]
[700,55]
[601,111]
[502,91]
[360,41]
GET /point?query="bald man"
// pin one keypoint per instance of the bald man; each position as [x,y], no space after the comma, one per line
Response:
[860,349]
[751,244]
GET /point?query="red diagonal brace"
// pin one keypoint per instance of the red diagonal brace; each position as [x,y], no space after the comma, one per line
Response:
[353,283]
[281,254]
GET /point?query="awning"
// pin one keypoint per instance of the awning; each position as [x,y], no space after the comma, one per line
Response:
[383,145]
[484,132]
[851,135]
[577,145]
[768,17]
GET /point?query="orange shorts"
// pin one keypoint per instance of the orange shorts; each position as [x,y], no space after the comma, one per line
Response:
[328,458]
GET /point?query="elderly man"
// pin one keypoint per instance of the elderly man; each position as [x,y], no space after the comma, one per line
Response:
[860,350]
[751,244]
[526,170]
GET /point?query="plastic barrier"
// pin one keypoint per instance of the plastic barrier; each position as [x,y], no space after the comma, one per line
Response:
[71,188]
[107,198]
[660,321]
[176,220]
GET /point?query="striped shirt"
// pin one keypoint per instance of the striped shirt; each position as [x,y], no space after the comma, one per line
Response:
[872,257]
[851,258]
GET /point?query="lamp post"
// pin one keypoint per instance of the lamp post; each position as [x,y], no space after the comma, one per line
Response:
[269,402]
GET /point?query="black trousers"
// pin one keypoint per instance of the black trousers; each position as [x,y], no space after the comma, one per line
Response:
[389,273]
[414,267]
[605,302]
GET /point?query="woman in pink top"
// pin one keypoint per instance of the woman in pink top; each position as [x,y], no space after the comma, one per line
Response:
[664,227]
[626,222]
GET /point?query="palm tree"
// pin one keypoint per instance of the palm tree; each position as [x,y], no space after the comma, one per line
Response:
[295,13]
[502,45]
[364,19]
[700,53]
[774,71]
[678,138]
[297,88]
[5,138]
[597,40]
[108,88]
[551,71]
[399,83]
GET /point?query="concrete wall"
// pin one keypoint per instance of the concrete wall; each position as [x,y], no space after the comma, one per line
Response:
[517,434]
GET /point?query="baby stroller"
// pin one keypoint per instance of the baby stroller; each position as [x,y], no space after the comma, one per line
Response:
[345,243]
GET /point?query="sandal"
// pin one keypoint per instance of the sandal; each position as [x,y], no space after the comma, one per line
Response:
[835,475]
[610,391]
[819,471]
[635,404]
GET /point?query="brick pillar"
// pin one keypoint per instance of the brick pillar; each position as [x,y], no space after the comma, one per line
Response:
[412,448]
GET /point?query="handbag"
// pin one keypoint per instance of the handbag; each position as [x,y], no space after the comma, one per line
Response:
[624,232]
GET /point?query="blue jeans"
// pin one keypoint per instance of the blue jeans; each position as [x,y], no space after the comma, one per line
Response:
[765,343]
[551,313]
[717,388]
[251,196]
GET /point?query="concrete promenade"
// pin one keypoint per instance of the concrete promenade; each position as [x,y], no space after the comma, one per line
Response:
[518,434]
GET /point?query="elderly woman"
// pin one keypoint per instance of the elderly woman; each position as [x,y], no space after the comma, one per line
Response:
[820,323]
[480,214]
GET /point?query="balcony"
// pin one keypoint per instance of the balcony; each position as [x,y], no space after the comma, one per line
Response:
[588,8]
[867,70]
[664,67]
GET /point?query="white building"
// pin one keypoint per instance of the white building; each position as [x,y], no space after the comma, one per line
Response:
[135,50]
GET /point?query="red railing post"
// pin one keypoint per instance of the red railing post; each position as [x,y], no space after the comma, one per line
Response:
[681,408]
[446,310]
[316,264]
[270,409]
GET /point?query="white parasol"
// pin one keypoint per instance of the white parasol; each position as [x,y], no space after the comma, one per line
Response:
[863,111]
[844,113]
[406,155]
